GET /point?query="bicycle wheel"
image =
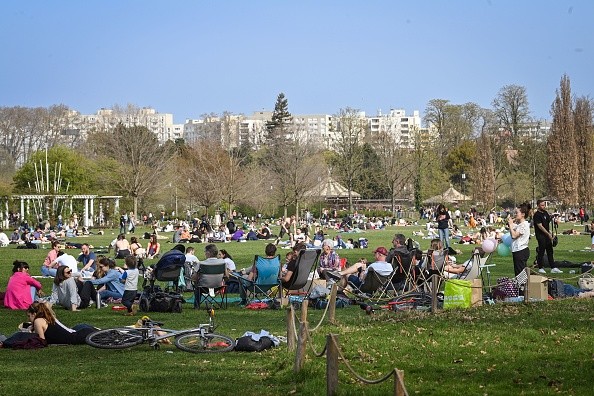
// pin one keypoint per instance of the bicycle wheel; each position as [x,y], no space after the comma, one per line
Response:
[207,343]
[119,338]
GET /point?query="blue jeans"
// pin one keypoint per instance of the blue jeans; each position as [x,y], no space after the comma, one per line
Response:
[46,271]
[105,294]
[444,236]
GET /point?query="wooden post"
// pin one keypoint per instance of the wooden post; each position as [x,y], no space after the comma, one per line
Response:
[399,389]
[332,304]
[304,306]
[434,288]
[331,364]
[301,346]
[291,336]
[527,286]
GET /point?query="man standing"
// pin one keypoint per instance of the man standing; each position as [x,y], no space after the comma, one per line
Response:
[544,237]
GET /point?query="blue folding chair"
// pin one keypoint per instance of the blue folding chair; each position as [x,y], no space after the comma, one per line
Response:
[267,283]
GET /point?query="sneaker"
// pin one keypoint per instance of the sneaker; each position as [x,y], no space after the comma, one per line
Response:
[542,271]
[103,305]
[556,271]
[335,275]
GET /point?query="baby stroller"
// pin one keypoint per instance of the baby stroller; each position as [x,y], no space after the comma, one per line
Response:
[168,269]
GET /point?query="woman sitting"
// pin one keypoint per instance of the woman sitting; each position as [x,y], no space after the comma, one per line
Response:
[70,293]
[136,248]
[154,248]
[122,247]
[21,288]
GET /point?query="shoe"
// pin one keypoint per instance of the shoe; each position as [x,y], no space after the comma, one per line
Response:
[335,275]
[542,271]
[103,305]
[556,271]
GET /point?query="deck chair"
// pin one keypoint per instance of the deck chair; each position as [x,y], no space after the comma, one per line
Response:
[433,265]
[306,263]
[210,285]
[267,284]
[375,287]
[406,275]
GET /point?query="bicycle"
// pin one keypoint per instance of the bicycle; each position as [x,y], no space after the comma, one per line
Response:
[201,339]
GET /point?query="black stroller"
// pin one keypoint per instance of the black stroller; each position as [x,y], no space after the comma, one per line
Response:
[169,268]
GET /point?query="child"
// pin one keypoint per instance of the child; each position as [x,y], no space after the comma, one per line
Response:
[130,278]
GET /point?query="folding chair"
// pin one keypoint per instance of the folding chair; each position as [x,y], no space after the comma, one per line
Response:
[406,275]
[306,263]
[210,284]
[375,286]
[433,265]
[267,283]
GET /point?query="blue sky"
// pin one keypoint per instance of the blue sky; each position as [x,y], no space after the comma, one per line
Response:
[193,57]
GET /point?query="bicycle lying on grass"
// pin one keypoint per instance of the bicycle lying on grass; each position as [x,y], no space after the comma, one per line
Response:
[197,340]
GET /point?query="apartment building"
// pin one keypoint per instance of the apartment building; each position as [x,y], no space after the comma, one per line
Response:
[397,124]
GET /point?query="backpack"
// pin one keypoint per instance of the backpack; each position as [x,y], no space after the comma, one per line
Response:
[247,344]
[556,288]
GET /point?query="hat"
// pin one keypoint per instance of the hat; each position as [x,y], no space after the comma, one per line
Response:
[381,250]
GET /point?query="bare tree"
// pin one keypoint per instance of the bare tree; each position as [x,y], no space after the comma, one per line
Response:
[396,165]
[138,158]
[562,155]
[511,108]
[350,132]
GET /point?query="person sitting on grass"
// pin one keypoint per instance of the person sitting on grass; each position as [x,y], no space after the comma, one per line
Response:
[21,288]
[49,266]
[122,247]
[114,289]
[357,272]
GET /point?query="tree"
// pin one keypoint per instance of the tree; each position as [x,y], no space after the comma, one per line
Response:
[395,166]
[280,120]
[138,159]
[584,133]
[77,172]
[459,160]
[483,172]
[350,131]
[511,108]
[562,155]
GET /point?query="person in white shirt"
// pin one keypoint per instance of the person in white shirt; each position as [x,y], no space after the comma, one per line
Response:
[380,266]
[520,233]
[4,241]
[67,260]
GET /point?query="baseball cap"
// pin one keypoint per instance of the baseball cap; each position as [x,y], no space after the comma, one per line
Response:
[381,250]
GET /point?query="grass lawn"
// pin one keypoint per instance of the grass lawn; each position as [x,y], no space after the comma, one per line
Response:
[506,349]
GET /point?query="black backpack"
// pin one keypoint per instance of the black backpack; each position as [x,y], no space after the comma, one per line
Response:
[556,288]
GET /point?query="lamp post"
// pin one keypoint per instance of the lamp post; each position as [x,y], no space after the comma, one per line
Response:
[463,187]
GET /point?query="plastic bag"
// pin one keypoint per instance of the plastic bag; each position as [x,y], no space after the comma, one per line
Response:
[457,294]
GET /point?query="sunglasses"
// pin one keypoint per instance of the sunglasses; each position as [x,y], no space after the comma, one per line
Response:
[68,272]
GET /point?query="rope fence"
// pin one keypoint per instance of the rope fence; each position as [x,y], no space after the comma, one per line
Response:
[299,339]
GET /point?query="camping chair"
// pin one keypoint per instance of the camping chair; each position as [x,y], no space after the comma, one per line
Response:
[210,284]
[375,286]
[306,263]
[406,275]
[433,265]
[267,283]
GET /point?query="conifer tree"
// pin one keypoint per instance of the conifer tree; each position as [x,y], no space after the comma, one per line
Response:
[584,133]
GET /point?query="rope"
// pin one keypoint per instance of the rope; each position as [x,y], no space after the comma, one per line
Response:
[359,377]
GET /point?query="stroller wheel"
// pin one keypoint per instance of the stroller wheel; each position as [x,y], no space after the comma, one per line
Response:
[177,307]
[143,305]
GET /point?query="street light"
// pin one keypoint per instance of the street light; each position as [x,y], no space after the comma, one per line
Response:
[463,189]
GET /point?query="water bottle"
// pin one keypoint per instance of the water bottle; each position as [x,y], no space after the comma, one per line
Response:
[98,302]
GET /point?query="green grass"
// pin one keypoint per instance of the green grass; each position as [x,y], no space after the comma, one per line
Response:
[535,349]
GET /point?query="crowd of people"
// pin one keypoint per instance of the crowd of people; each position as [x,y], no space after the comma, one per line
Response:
[89,278]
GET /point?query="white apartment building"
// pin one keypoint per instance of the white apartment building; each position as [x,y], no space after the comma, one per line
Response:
[159,123]
[397,124]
